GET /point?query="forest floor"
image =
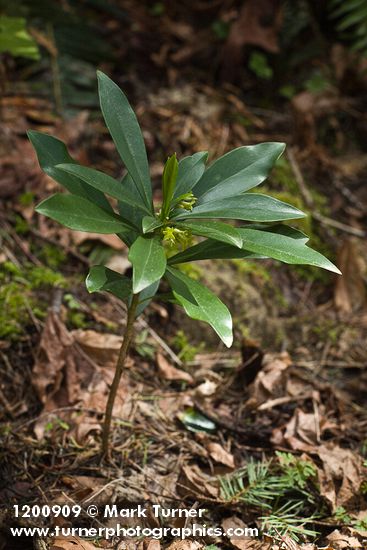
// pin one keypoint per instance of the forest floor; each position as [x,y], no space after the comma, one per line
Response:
[271,434]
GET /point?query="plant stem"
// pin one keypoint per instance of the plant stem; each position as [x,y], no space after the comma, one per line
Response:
[55,71]
[118,372]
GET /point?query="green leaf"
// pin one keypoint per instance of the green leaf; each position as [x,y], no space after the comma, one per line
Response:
[148,258]
[15,39]
[218,231]
[128,237]
[80,214]
[145,297]
[196,422]
[283,248]
[132,214]
[201,304]
[282,229]
[149,224]
[237,171]
[211,250]
[249,206]
[51,152]
[125,131]
[278,242]
[190,170]
[168,183]
[106,184]
[101,278]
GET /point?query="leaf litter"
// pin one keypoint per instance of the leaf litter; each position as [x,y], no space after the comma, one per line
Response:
[72,371]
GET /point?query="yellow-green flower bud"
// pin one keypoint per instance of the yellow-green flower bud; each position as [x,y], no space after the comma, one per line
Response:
[187,201]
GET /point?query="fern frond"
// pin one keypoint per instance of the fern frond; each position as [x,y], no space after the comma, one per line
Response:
[351,18]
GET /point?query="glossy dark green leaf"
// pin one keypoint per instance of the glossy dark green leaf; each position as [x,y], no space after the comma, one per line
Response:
[80,214]
[196,422]
[145,297]
[280,243]
[128,237]
[101,278]
[168,184]
[237,171]
[149,223]
[281,229]
[201,304]
[148,258]
[190,170]
[283,248]
[51,152]
[106,184]
[218,231]
[131,214]
[249,207]
[211,250]
[125,131]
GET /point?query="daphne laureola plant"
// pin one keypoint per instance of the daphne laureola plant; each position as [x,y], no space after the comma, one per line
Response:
[194,198]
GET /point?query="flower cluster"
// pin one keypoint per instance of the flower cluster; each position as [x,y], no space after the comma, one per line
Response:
[173,236]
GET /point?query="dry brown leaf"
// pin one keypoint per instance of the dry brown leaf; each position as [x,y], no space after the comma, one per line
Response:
[270,381]
[95,398]
[242,543]
[350,164]
[77,368]
[341,475]
[194,482]
[300,432]
[350,290]
[18,165]
[128,544]
[296,385]
[51,357]
[113,241]
[206,389]
[169,372]
[289,544]
[56,364]
[151,544]
[83,487]
[258,24]
[185,545]
[119,263]
[71,543]
[340,541]
[220,455]
[171,406]
[103,347]
[307,108]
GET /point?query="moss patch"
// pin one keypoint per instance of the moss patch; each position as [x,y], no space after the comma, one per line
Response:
[18,299]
